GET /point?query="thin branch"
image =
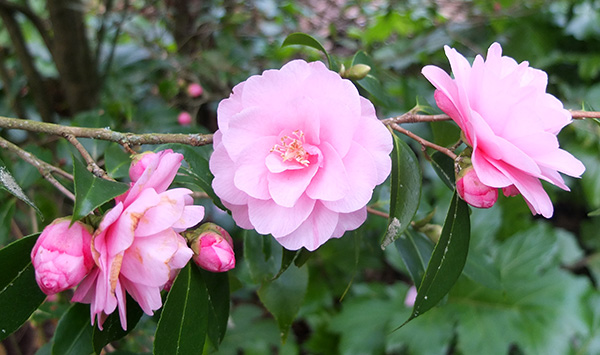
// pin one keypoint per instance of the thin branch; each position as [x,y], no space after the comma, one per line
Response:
[113,46]
[377,212]
[44,168]
[584,114]
[91,164]
[130,139]
[410,117]
[423,142]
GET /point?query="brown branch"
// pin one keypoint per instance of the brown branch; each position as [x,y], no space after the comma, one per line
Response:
[44,168]
[423,142]
[410,117]
[377,212]
[91,164]
[584,114]
[130,139]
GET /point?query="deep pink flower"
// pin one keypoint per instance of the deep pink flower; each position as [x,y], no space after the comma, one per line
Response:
[194,90]
[213,248]
[510,121]
[298,153]
[62,256]
[136,247]
[475,193]
[184,118]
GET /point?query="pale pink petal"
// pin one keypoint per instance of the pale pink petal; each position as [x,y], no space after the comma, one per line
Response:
[191,216]
[330,183]
[285,188]
[267,217]
[313,232]
[349,221]
[221,166]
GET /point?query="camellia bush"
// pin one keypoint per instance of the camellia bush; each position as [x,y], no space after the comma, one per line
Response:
[316,218]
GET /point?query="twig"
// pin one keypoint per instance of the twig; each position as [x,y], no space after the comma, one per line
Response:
[422,141]
[377,212]
[44,168]
[584,114]
[92,166]
[410,117]
[106,134]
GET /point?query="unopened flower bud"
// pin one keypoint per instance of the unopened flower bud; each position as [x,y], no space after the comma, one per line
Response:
[356,72]
[139,164]
[62,255]
[510,191]
[184,118]
[194,90]
[473,191]
[212,247]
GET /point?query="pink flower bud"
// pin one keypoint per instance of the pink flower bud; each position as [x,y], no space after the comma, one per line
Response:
[213,248]
[473,191]
[62,256]
[194,90]
[184,118]
[139,164]
[510,191]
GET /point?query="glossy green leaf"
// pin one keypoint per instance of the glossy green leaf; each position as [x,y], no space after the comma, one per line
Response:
[8,183]
[73,334]
[183,323]
[405,190]
[116,161]
[299,38]
[217,285]
[112,328]
[443,166]
[445,133]
[92,192]
[415,250]
[263,255]
[284,296]
[448,258]
[20,295]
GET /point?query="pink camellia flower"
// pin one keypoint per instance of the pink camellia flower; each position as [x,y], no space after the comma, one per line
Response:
[475,193]
[184,118]
[137,247]
[194,90]
[213,248]
[62,256]
[510,122]
[298,153]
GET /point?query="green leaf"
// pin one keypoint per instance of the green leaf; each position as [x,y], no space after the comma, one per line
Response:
[117,162]
[91,191]
[20,295]
[448,258]
[8,183]
[113,329]
[183,323]
[594,213]
[299,38]
[482,270]
[73,334]
[445,133]
[217,285]
[263,255]
[415,250]
[284,296]
[405,190]
[443,165]
[7,211]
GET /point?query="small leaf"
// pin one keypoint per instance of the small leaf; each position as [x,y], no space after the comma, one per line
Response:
[183,323]
[284,296]
[443,165]
[303,39]
[217,285]
[113,329]
[117,162]
[415,250]
[8,183]
[448,258]
[73,334]
[405,190]
[20,295]
[91,191]
[594,213]
[287,258]
[263,255]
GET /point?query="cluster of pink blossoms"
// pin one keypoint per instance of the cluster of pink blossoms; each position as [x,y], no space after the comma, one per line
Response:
[298,154]
[511,124]
[136,249]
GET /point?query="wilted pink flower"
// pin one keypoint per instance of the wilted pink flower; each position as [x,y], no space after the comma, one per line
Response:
[475,193]
[194,90]
[213,248]
[62,256]
[510,121]
[298,153]
[184,118]
[137,247]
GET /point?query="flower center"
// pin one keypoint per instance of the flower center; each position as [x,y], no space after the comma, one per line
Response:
[291,148]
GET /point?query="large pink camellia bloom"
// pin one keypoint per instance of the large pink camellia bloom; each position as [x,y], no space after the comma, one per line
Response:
[298,153]
[510,121]
[137,247]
